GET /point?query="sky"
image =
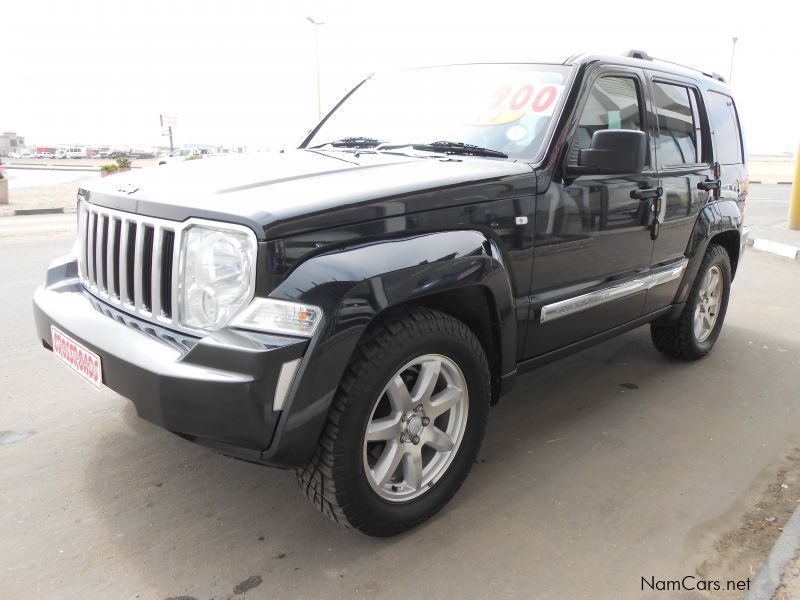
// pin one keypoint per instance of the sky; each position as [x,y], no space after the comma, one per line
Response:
[238,72]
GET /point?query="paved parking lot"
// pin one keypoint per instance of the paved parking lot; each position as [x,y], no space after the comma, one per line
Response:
[601,469]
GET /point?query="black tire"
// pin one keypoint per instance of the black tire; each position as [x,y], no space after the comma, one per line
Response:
[335,479]
[678,338]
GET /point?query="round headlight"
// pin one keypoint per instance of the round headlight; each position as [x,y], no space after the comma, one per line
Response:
[216,275]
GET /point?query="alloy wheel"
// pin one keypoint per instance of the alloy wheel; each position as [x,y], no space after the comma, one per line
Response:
[710,299]
[415,428]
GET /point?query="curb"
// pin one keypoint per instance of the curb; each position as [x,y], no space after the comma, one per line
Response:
[769,575]
[777,248]
[18,212]
[65,168]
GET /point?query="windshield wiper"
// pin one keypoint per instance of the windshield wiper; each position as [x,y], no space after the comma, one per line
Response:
[353,142]
[451,148]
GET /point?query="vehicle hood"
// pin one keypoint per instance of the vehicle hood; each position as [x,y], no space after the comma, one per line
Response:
[279,194]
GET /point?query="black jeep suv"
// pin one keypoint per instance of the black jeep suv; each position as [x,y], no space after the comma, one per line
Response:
[352,308]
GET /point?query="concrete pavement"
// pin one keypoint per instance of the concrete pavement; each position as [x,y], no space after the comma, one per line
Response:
[46,224]
[611,466]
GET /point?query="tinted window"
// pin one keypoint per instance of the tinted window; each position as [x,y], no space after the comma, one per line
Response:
[727,140]
[677,141]
[613,103]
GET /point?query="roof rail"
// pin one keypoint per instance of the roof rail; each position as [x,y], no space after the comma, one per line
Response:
[642,55]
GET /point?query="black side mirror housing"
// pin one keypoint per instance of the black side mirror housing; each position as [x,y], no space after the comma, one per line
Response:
[613,152]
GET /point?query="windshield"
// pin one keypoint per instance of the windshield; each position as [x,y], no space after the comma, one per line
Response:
[502,107]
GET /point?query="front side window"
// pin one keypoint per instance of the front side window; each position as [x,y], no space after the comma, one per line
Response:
[613,103]
[502,107]
[727,140]
[677,141]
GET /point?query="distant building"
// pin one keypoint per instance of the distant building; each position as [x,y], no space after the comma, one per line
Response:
[10,142]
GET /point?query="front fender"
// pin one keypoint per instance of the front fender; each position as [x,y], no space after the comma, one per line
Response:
[353,286]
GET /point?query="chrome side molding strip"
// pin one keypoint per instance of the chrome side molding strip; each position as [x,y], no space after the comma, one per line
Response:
[664,276]
[551,312]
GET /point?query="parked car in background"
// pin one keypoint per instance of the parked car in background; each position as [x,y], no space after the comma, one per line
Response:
[46,152]
[71,152]
[109,152]
[21,154]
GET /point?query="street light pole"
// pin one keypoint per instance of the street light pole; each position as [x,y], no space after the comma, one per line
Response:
[733,51]
[316,25]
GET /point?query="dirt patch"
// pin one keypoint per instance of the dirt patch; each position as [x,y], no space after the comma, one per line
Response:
[247,585]
[743,549]
[771,169]
[790,584]
[56,195]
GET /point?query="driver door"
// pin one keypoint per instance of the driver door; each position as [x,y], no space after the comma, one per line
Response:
[592,242]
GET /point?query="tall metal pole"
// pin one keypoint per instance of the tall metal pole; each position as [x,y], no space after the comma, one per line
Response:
[316,25]
[733,52]
[171,147]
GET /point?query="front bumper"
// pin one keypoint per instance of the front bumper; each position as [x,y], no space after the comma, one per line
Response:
[217,390]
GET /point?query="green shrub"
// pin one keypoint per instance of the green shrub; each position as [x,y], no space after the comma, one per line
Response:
[109,168]
[123,162]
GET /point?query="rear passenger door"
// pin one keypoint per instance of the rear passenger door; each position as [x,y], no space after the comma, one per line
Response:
[684,161]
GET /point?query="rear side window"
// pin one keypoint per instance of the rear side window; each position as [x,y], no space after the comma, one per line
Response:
[727,138]
[678,141]
[613,103]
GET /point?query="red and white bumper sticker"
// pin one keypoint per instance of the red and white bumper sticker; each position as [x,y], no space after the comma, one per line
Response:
[77,357]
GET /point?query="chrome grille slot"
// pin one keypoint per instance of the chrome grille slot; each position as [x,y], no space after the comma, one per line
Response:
[167,252]
[103,256]
[92,228]
[147,269]
[114,256]
[98,251]
[83,236]
[130,261]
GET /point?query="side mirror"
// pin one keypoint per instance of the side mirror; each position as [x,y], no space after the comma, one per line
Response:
[613,152]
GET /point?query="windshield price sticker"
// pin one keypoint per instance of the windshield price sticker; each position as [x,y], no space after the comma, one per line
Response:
[512,102]
[527,98]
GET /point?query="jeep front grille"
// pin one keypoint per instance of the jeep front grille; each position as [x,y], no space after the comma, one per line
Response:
[130,261]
